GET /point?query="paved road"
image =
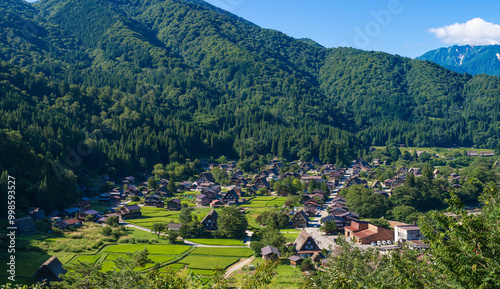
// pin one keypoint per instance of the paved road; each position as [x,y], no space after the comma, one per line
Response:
[189,243]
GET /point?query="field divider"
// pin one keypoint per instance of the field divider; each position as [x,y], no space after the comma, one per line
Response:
[182,256]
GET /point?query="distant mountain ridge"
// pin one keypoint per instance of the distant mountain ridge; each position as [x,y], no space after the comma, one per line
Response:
[467,58]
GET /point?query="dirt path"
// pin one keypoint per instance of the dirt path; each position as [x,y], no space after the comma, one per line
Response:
[238,266]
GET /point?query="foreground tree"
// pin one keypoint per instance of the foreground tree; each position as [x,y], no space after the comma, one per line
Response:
[466,246]
[261,278]
[353,267]
[463,254]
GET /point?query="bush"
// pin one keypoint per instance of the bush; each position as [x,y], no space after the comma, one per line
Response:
[106,231]
[127,240]
[307,265]
[58,232]
[43,225]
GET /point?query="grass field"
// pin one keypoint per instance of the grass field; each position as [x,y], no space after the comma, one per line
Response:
[86,258]
[218,242]
[208,262]
[173,267]
[202,272]
[266,201]
[153,249]
[287,277]
[151,215]
[234,252]
[290,234]
[88,245]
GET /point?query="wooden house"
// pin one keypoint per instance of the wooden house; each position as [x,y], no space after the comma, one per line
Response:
[311,206]
[210,220]
[230,198]
[242,182]
[270,253]
[205,177]
[203,200]
[295,260]
[51,270]
[299,220]
[262,183]
[305,245]
[151,201]
[36,213]
[25,226]
[130,212]
[174,205]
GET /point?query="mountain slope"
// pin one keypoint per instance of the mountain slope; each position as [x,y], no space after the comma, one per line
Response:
[467,59]
[180,79]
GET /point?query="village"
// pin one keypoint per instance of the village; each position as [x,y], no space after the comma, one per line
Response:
[317,213]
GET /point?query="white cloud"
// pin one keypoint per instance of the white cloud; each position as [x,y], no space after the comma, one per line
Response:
[474,32]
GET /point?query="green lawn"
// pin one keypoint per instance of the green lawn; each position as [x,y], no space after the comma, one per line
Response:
[151,215]
[234,252]
[173,267]
[202,272]
[140,234]
[218,242]
[287,277]
[208,262]
[266,201]
[86,258]
[153,249]
[264,198]
[290,235]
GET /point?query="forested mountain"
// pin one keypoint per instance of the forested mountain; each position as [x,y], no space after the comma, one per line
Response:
[467,59]
[141,82]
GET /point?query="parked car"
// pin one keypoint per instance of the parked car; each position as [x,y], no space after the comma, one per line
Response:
[374,244]
[389,242]
[384,243]
[379,243]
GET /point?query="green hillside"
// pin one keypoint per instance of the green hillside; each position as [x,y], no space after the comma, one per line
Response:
[142,82]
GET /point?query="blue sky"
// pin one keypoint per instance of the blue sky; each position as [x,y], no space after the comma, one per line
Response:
[395,26]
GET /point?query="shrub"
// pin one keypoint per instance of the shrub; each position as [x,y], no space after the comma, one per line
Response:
[106,231]
[58,232]
[142,240]
[307,265]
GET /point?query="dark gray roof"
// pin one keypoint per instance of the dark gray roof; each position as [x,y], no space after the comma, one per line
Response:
[212,213]
[174,225]
[91,212]
[25,224]
[132,207]
[53,265]
[303,214]
[267,250]
[72,210]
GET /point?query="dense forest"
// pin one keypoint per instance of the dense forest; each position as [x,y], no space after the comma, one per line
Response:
[120,86]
